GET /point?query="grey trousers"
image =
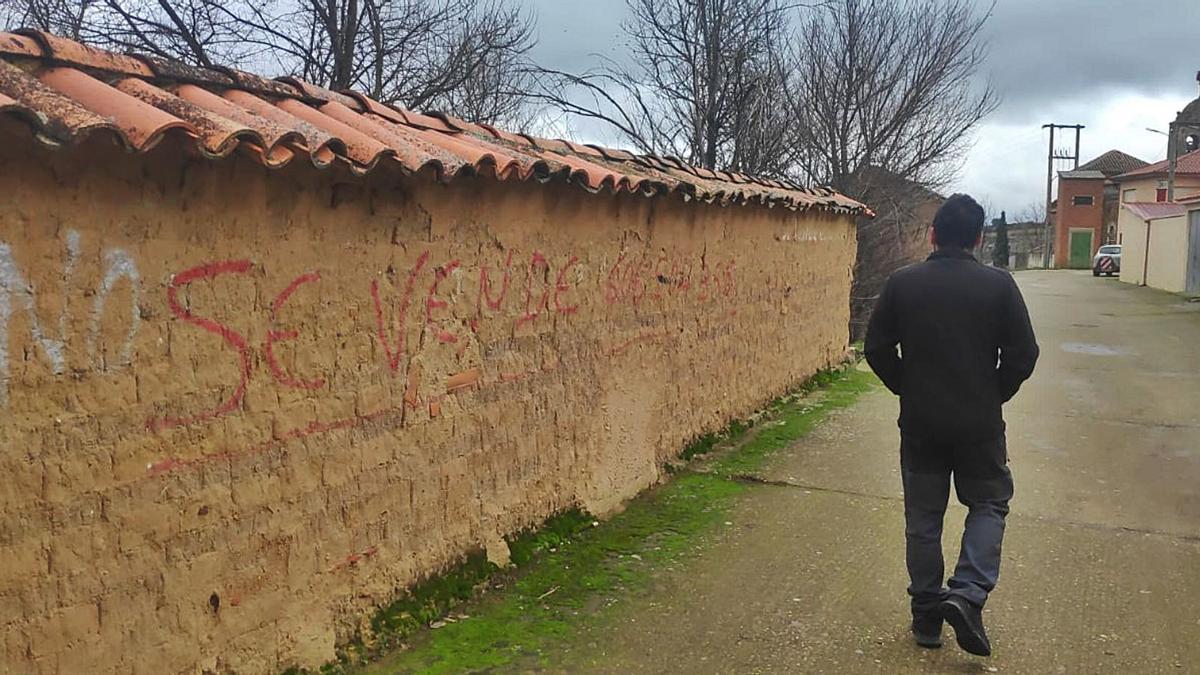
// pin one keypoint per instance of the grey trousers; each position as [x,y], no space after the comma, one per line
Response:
[984,485]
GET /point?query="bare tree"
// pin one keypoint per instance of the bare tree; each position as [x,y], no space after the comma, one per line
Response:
[495,91]
[890,85]
[1034,212]
[193,31]
[469,54]
[702,84]
[887,90]
[62,17]
[897,236]
[863,84]
[417,52]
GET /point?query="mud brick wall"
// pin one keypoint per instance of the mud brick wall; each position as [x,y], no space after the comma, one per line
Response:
[243,408]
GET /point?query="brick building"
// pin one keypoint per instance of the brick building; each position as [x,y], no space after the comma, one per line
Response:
[1085,215]
[273,353]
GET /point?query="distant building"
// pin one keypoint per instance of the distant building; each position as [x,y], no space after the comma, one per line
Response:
[1085,215]
[1159,224]
[1025,241]
[1161,239]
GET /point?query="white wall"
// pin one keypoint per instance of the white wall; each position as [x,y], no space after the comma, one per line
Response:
[1167,261]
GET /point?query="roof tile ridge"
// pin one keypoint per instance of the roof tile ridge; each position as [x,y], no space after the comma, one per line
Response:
[61,50]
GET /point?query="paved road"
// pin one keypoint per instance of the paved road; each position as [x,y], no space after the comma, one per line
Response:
[1102,560]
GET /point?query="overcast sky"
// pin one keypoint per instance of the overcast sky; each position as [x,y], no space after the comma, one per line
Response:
[1117,66]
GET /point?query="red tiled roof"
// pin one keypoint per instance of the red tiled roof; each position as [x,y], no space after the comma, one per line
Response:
[1187,164]
[66,91]
[1112,163]
[1155,210]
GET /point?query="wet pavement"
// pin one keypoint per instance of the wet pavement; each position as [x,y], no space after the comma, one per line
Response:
[1101,568]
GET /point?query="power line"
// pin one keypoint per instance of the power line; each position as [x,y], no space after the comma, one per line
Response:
[1053,154]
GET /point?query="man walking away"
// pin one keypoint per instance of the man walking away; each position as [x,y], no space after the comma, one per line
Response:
[965,346]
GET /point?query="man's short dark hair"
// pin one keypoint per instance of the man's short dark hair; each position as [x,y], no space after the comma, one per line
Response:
[958,222]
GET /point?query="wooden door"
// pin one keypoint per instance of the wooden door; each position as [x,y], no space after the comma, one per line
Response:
[1080,250]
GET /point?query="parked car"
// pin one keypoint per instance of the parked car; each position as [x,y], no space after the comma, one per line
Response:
[1107,260]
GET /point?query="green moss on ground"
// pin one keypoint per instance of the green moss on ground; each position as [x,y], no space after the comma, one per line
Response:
[793,416]
[572,571]
[705,444]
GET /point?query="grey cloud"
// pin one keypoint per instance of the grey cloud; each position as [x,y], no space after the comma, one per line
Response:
[1050,51]
[572,32]
[1042,52]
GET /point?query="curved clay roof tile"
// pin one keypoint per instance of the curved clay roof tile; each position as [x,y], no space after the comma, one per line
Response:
[412,155]
[63,50]
[323,147]
[218,135]
[64,90]
[361,148]
[142,125]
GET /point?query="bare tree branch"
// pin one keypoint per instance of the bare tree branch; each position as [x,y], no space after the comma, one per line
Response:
[466,54]
[701,85]
[890,85]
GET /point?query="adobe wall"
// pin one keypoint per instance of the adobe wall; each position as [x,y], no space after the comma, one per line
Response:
[242,408]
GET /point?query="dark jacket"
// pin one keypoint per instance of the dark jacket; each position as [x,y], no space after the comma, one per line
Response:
[966,345]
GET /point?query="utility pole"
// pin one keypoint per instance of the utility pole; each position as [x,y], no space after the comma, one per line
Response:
[1051,155]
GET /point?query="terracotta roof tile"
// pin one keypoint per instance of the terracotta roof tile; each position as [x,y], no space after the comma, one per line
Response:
[59,118]
[614,154]
[62,50]
[273,136]
[478,152]
[322,146]
[141,124]
[402,143]
[458,124]
[516,139]
[177,72]
[1112,163]
[65,90]
[362,149]
[21,45]
[218,135]
[655,162]
[592,175]
[426,122]
[260,85]
[1186,164]
[552,144]
[370,105]
[316,93]
[584,150]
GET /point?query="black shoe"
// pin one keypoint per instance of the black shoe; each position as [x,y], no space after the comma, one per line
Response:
[967,621]
[927,630]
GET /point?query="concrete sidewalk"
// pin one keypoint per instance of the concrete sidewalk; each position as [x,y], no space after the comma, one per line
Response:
[1102,559]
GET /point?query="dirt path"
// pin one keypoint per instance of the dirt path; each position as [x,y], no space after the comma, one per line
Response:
[1102,560]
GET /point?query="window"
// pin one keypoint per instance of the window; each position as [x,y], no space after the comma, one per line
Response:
[1128,195]
[1110,249]
[1160,195]
[1083,200]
